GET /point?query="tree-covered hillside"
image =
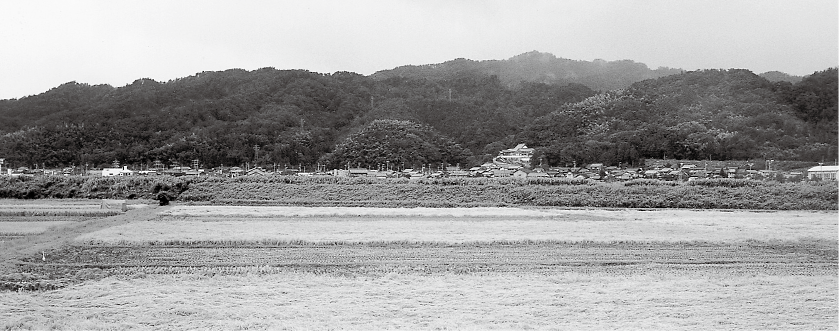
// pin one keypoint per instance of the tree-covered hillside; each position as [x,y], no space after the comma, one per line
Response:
[296,117]
[402,144]
[215,117]
[777,76]
[708,114]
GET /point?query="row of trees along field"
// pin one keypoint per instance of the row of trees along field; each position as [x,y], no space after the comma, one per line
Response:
[454,116]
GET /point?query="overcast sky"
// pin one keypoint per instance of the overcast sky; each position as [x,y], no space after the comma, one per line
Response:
[47,43]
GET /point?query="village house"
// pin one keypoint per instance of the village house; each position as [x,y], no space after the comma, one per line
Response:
[235,171]
[537,174]
[111,172]
[823,172]
[358,172]
[520,154]
[258,171]
[498,173]
[459,173]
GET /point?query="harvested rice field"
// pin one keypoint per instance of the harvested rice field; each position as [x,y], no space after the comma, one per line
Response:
[19,219]
[232,267]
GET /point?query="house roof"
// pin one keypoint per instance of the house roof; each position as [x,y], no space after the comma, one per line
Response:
[519,147]
[502,171]
[823,168]
[538,174]
[256,171]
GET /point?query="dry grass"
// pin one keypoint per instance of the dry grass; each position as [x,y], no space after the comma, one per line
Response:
[54,208]
[62,235]
[464,225]
[57,206]
[25,228]
[793,294]
[50,203]
[273,211]
[295,301]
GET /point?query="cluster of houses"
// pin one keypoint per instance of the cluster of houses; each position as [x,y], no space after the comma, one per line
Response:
[514,162]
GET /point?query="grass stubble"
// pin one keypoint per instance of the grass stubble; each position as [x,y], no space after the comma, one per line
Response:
[784,291]
[440,301]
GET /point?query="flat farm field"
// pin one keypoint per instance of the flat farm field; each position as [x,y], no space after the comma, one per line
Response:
[259,267]
[29,217]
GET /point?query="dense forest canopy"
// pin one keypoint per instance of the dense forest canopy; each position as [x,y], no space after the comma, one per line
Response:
[708,114]
[297,117]
[403,144]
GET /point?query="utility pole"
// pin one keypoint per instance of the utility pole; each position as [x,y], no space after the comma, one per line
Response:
[256,157]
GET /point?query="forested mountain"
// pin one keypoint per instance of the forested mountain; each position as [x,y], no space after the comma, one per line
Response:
[296,117]
[537,67]
[216,117]
[707,114]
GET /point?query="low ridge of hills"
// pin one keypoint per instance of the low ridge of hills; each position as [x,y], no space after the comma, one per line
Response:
[537,67]
[570,111]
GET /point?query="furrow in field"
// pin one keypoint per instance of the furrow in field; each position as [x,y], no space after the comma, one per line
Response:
[548,253]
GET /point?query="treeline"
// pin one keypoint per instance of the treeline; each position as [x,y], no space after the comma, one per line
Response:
[461,192]
[78,187]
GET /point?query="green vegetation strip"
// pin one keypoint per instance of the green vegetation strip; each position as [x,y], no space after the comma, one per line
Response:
[461,192]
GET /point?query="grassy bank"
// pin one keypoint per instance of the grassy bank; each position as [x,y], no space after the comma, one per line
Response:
[333,191]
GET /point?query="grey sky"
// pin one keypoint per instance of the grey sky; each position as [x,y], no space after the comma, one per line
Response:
[48,43]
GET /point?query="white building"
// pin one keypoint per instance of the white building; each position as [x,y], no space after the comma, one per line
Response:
[520,154]
[823,172]
[110,172]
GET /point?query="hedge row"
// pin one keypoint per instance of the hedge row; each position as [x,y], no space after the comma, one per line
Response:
[60,187]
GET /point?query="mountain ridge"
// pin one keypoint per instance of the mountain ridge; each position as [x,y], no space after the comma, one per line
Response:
[535,66]
[298,116]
